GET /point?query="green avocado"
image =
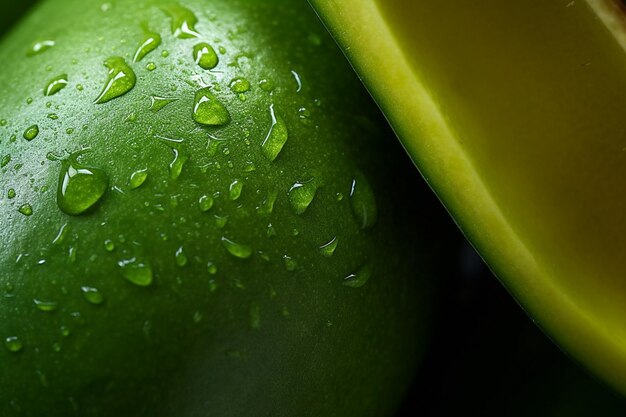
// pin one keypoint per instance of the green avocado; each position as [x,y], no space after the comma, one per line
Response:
[202,213]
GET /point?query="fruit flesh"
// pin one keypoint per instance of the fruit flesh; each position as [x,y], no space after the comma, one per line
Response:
[510,111]
[223,309]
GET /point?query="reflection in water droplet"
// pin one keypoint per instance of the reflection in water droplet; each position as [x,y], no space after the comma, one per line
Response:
[204,55]
[239,85]
[137,272]
[80,187]
[207,109]
[183,21]
[13,344]
[238,250]
[205,203]
[121,79]
[234,192]
[26,210]
[301,195]
[276,137]
[40,47]
[56,84]
[47,306]
[328,249]
[157,103]
[363,202]
[149,43]
[92,295]
[31,133]
[137,178]
[181,257]
[359,278]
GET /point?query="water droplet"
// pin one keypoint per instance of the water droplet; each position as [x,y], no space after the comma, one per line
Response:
[238,250]
[40,47]
[47,306]
[296,76]
[31,133]
[359,278]
[149,43]
[177,164]
[220,221]
[109,245]
[276,136]
[139,273]
[11,193]
[61,235]
[255,316]
[165,54]
[234,192]
[301,195]
[290,263]
[64,330]
[267,206]
[239,85]
[183,21]
[92,295]
[197,317]
[5,161]
[121,79]
[80,187]
[181,257]
[328,249]
[266,85]
[363,202]
[205,203]
[56,84]
[204,55]
[3,122]
[151,66]
[271,230]
[26,210]
[137,178]
[13,344]
[53,116]
[157,103]
[208,110]
[211,268]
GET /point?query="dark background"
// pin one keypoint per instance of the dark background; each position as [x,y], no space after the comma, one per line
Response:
[486,357]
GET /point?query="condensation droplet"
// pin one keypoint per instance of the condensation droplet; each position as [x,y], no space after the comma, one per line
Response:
[238,250]
[205,203]
[239,85]
[208,110]
[31,133]
[40,47]
[149,43]
[183,21]
[13,344]
[363,202]
[234,191]
[359,278]
[109,245]
[267,206]
[204,55]
[47,306]
[137,272]
[80,187]
[328,249]
[290,263]
[301,195]
[158,103]
[178,163]
[121,79]
[92,295]
[180,257]
[137,178]
[56,84]
[276,137]
[26,210]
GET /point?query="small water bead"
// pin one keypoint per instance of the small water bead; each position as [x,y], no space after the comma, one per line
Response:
[136,272]
[56,84]
[205,203]
[121,79]
[359,278]
[137,178]
[178,163]
[234,191]
[92,295]
[151,66]
[363,202]
[204,55]
[211,268]
[276,137]
[40,47]
[11,193]
[64,330]
[301,195]
[328,249]
[149,43]
[183,21]
[266,85]
[165,54]
[53,116]
[31,133]
[13,344]
[80,187]
[5,160]
[26,210]
[3,122]
[290,263]
[239,85]
[208,110]
[109,245]
[180,257]
[158,103]
[47,306]
[238,250]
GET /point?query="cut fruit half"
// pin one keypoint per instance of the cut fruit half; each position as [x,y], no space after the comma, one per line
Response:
[513,111]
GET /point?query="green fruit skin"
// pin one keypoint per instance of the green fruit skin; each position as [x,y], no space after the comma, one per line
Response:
[260,337]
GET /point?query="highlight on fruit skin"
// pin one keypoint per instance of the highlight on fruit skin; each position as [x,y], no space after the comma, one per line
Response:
[202,213]
[509,112]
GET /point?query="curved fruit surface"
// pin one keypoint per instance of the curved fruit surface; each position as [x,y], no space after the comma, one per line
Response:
[510,112]
[200,216]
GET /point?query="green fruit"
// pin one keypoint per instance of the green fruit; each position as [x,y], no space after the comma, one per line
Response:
[184,242]
[510,112]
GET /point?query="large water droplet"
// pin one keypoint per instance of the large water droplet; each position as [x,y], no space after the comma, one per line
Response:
[40,47]
[92,295]
[205,203]
[301,195]
[120,81]
[47,306]
[137,272]
[183,21]
[80,187]
[13,344]
[359,278]
[149,43]
[56,84]
[276,136]
[31,133]
[157,103]
[363,202]
[238,250]
[234,192]
[137,178]
[205,56]
[328,249]
[207,109]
